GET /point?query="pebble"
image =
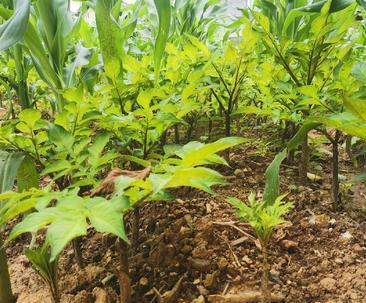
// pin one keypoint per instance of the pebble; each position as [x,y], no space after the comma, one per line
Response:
[200,299]
[328,284]
[239,173]
[223,263]
[101,296]
[203,291]
[346,236]
[200,264]
[247,260]
[332,222]
[358,249]
[338,261]
[210,281]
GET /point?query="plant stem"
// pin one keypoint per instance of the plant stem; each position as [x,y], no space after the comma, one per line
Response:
[335,170]
[123,273]
[33,139]
[227,124]
[209,128]
[22,91]
[176,134]
[146,134]
[55,292]
[304,161]
[190,130]
[266,293]
[6,295]
[135,228]
[163,138]
[76,244]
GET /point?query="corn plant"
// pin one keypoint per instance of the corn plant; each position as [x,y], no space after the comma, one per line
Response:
[13,166]
[47,44]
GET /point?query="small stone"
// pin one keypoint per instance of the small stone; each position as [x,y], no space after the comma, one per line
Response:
[188,219]
[346,236]
[144,281]
[275,275]
[328,284]
[200,299]
[290,246]
[101,296]
[348,259]
[223,263]
[180,201]
[92,272]
[338,261]
[332,222]
[358,249]
[186,249]
[200,264]
[203,291]
[321,220]
[324,265]
[210,281]
[239,173]
[247,260]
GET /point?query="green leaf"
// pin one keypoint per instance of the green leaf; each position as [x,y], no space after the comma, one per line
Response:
[236,203]
[301,134]
[357,107]
[12,31]
[99,144]
[159,181]
[56,166]
[9,164]
[309,90]
[345,122]
[137,160]
[272,189]
[27,175]
[200,177]
[314,8]
[59,136]
[34,222]
[359,71]
[195,153]
[15,208]
[163,8]
[40,259]
[30,117]
[262,20]
[110,39]
[63,230]
[106,216]
[82,58]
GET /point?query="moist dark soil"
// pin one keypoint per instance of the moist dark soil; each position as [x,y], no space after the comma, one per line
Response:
[198,250]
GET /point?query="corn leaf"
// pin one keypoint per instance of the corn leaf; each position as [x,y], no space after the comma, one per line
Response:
[13,29]
[164,12]
[9,164]
[110,39]
[272,189]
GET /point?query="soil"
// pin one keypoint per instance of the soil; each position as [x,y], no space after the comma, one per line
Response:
[197,247]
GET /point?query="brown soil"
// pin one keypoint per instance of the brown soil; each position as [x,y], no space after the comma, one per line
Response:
[319,257]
